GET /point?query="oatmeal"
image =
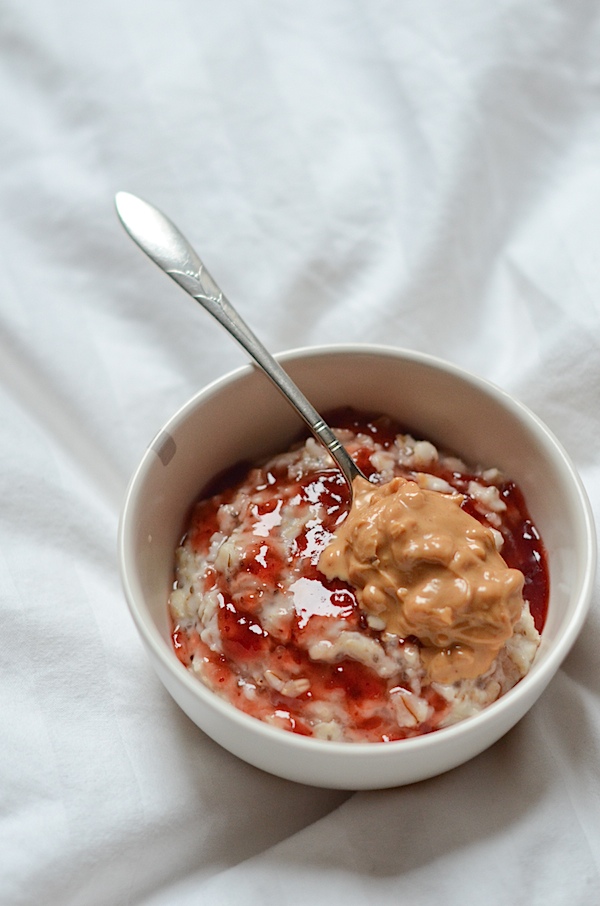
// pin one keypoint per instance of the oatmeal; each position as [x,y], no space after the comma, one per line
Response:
[263,615]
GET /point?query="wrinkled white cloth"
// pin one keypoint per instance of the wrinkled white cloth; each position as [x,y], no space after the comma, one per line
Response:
[425,175]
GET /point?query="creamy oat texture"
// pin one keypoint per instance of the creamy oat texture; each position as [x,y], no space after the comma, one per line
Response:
[256,619]
[430,570]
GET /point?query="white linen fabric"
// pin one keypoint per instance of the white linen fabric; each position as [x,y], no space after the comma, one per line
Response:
[425,175]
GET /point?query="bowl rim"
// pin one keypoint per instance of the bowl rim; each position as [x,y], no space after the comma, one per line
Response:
[530,686]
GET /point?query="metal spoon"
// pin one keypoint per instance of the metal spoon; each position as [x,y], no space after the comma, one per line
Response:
[166,246]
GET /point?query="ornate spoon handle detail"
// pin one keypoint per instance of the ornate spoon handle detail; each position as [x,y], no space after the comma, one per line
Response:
[166,246]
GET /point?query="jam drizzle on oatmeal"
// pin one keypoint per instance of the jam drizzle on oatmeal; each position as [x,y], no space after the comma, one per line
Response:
[265,666]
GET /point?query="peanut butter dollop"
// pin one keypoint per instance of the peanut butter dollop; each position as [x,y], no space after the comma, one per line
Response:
[428,569]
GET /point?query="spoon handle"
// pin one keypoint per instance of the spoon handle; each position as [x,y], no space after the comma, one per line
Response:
[166,246]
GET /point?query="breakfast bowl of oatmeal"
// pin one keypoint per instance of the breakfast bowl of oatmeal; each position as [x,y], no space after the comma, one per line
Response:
[362,638]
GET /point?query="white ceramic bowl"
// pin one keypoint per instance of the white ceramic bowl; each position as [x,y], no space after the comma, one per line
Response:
[242,416]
